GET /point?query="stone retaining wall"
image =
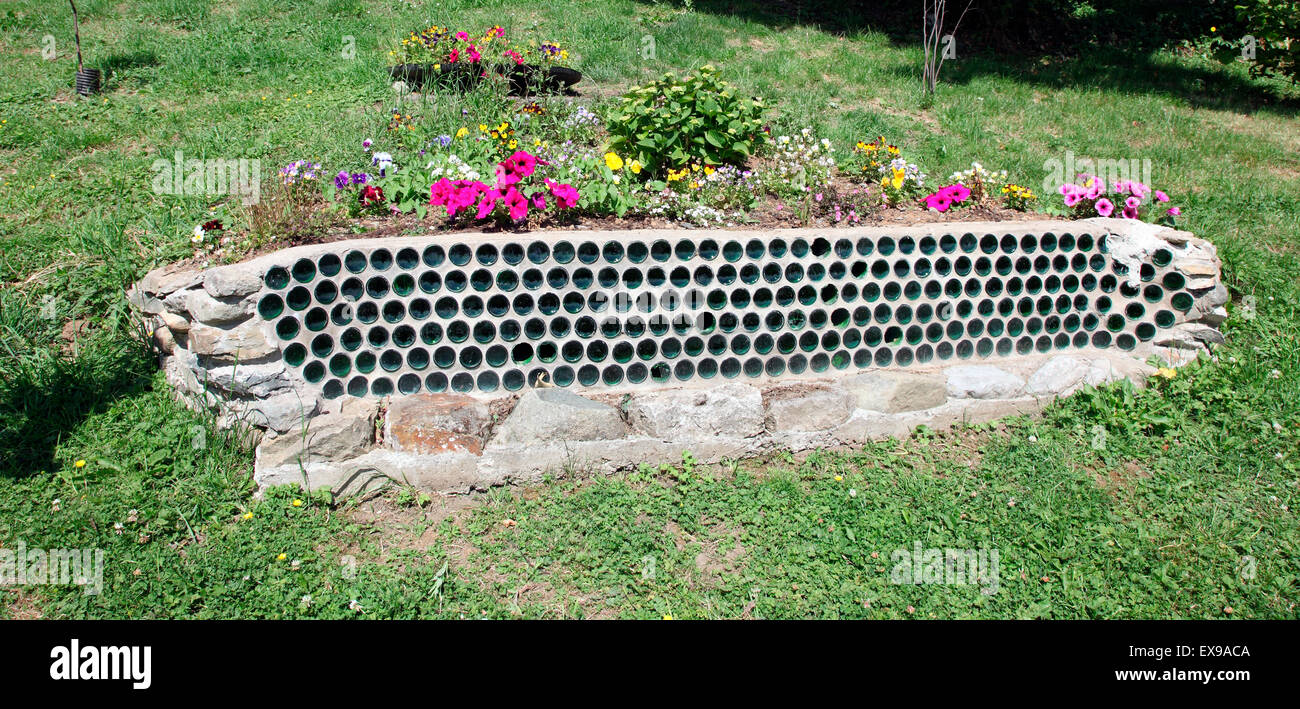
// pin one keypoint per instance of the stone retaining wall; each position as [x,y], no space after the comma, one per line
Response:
[891,335]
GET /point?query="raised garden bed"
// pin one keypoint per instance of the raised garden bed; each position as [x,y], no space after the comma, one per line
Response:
[499,357]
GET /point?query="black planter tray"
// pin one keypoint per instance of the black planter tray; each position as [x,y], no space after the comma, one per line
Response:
[525,79]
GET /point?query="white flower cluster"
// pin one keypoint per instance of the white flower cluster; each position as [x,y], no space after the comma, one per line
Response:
[451,167]
[978,174]
[582,117]
[681,208]
[802,162]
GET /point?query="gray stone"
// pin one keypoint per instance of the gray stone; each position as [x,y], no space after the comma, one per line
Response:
[328,437]
[982,382]
[281,413]
[1197,268]
[177,324]
[222,312]
[236,280]
[162,282]
[163,340]
[1192,336]
[1059,375]
[145,302]
[1101,371]
[257,380]
[682,414]
[868,425]
[443,473]
[803,408]
[891,392]
[544,415]
[243,342]
[179,371]
[436,423]
[1218,296]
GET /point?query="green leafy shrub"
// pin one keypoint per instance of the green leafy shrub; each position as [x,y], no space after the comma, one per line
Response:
[696,119]
[1275,25]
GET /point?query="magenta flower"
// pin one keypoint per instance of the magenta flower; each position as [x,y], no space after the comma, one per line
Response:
[956,192]
[488,203]
[516,203]
[1105,207]
[565,195]
[521,163]
[462,36]
[1133,203]
[1173,211]
[1073,198]
[1130,213]
[539,200]
[1161,196]
[938,202]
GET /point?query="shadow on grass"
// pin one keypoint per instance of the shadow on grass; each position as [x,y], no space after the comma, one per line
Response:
[44,398]
[1083,64]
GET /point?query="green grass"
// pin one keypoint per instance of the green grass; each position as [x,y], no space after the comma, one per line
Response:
[1155,523]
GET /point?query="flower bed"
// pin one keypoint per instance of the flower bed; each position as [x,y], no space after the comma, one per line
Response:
[690,151]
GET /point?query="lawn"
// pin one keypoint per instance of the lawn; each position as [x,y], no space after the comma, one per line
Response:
[1177,501]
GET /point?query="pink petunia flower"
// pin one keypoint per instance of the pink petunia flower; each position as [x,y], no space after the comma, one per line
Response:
[1130,213]
[1161,196]
[1073,198]
[1173,211]
[565,195]
[516,203]
[1133,202]
[938,202]
[957,192]
[462,36]
[488,203]
[1104,207]
[539,200]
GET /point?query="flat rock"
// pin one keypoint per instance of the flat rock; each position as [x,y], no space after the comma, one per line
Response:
[259,380]
[162,282]
[236,280]
[222,312]
[243,342]
[728,410]
[805,408]
[545,415]
[1059,375]
[982,382]
[283,412]
[328,437]
[430,424]
[892,392]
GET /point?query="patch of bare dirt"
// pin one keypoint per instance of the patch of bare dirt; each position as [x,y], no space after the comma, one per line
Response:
[20,604]
[1115,480]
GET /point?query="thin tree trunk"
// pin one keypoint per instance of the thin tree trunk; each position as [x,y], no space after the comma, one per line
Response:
[76,32]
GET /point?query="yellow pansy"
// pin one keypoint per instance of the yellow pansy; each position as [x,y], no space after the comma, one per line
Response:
[613,161]
[462,132]
[635,167]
